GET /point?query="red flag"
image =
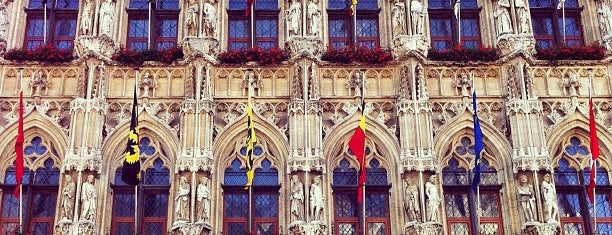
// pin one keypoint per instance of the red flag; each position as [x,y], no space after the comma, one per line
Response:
[19,148]
[357,146]
[594,151]
[248,7]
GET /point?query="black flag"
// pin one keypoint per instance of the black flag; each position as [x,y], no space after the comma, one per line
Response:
[130,174]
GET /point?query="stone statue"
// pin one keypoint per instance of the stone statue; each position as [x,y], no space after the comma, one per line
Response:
[526,198]
[411,201]
[417,13]
[182,200]
[294,14]
[433,199]
[107,18]
[297,199]
[4,20]
[314,17]
[192,18]
[398,17]
[68,193]
[501,14]
[88,199]
[86,18]
[210,18]
[523,16]
[203,200]
[551,210]
[316,199]
[604,13]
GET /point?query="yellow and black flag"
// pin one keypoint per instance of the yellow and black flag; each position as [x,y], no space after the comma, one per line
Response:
[130,174]
[251,140]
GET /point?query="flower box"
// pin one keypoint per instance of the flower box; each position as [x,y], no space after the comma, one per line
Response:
[464,54]
[262,56]
[589,52]
[46,54]
[134,57]
[365,55]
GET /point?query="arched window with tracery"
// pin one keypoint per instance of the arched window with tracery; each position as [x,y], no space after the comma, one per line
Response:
[575,209]
[264,200]
[39,190]
[153,194]
[347,211]
[461,210]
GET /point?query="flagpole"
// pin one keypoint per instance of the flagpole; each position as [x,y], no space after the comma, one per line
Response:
[45,22]
[355,27]
[21,185]
[363,168]
[594,166]
[477,150]
[252,15]
[149,25]
[458,18]
[137,71]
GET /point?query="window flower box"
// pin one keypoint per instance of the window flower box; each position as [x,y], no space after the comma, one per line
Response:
[134,57]
[365,55]
[46,54]
[589,52]
[464,54]
[262,56]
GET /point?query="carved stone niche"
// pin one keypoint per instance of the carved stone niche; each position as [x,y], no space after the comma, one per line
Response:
[100,45]
[403,44]
[207,46]
[541,229]
[191,229]
[312,228]
[307,45]
[509,43]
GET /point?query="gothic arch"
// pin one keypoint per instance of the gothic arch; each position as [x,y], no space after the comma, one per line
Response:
[113,148]
[376,136]
[497,148]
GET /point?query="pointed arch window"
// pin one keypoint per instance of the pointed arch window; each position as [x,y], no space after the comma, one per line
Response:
[347,211]
[265,197]
[460,210]
[153,196]
[60,25]
[575,209]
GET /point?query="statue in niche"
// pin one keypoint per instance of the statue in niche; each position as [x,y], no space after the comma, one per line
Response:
[526,198]
[297,199]
[523,16]
[210,18]
[398,17]
[551,210]
[4,20]
[86,18]
[316,199]
[433,198]
[314,17]
[192,18]
[107,18]
[411,200]
[88,199]
[417,13]
[501,14]
[203,198]
[296,84]
[68,193]
[294,14]
[604,13]
[182,200]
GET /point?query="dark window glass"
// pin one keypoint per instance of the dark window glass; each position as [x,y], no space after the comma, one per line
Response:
[60,27]
[444,28]
[548,24]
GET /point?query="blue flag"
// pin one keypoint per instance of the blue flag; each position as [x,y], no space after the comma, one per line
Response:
[478,144]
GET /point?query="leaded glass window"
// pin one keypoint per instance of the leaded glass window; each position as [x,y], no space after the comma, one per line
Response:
[444,27]
[575,208]
[346,208]
[265,196]
[341,24]
[164,24]
[548,23]
[60,26]
[265,25]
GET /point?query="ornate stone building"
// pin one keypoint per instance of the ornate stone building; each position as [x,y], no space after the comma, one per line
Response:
[192,113]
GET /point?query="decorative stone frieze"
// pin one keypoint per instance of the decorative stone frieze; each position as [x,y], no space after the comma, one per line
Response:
[304,46]
[297,162]
[207,47]
[419,160]
[98,46]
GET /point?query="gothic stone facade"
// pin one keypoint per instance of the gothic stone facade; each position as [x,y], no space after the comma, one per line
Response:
[419,117]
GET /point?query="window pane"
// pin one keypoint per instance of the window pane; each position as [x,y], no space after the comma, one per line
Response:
[167,28]
[339,44]
[376,205]
[456,205]
[139,28]
[440,27]
[338,28]
[266,5]
[10,206]
[544,44]
[469,27]
[376,229]
[540,3]
[238,28]
[168,4]
[367,44]
[569,205]
[442,45]
[35,4]
[35,28]
[236,228]
[469,4]
[67,4]
[236,46]
[153,228]
[338,4]
[489,229]
[265,28]
[139,4]
[124,228]
[603,206]
[65,27]
[44,205]
[156,205]
[236,5]
[347,229]
[124,205]
[345,205]
[265,205]
[489,204]
[235,205]
[542,26]
[572,228]
[265,228]
[367,5]
[42,228]
[439,4]
[367,28]
[266,45]
[62,44]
